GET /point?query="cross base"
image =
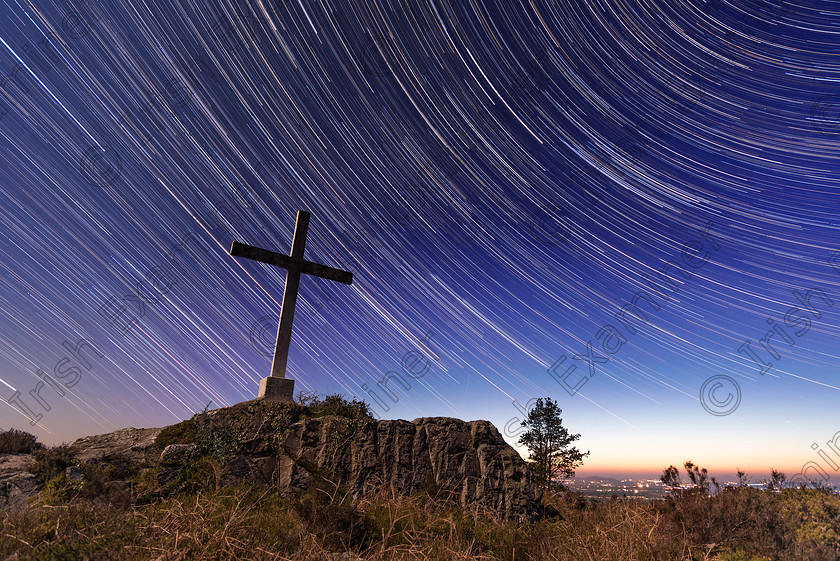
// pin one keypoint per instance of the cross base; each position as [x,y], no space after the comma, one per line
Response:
[276,389]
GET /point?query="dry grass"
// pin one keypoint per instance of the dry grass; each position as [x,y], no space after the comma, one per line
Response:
[246,522]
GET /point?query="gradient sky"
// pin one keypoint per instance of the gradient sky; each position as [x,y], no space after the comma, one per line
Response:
[501,178]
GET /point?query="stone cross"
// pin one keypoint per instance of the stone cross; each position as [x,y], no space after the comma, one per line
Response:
[277,387]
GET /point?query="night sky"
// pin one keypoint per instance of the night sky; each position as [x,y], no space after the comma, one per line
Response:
[506,181]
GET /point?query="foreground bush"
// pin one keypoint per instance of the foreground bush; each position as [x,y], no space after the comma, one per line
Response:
[15,441]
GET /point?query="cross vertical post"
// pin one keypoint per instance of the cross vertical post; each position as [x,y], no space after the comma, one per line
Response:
[287,308]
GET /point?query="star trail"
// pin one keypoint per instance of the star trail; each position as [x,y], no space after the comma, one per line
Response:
[502,178]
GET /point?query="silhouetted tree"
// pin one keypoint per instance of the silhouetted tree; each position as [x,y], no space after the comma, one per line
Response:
[549,443]
[776,481]
[698,476]
[671,477]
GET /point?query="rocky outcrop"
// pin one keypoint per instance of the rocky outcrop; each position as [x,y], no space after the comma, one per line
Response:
[465,462]
[178,454]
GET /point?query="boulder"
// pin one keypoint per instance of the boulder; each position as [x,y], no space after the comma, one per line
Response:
[16,483]
[135,445]
[178,454]
[73,473]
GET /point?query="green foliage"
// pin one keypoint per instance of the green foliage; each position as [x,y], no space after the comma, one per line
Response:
[814,520]
[198,476]
[184,432]
[211,432]
[776,481]
[550,443]
[750,524]
[279,425]
[50,462]
[60,490]
[145,486]
[217,438]
[113,467]
[335,404]
[224,432]
[15,441]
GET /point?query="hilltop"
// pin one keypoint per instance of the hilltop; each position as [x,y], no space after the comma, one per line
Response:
[323,480]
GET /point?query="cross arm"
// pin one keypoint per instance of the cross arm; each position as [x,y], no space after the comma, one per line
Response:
[325,272]
[287,262]
[262,255]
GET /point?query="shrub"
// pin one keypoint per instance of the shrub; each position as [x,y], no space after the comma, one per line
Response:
[60,490]
[15,441]
[50,462]
[217,439]
[212,433]
[335,404]
[356,414]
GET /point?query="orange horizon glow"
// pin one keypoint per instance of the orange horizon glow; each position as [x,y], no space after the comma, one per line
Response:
[754,473]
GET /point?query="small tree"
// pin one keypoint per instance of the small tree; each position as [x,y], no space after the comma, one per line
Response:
[776,481]
[549,443]
[699,477]
[671,478]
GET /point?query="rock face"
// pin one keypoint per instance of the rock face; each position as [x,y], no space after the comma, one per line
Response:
[133,444]
[16,484]
[467,460]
